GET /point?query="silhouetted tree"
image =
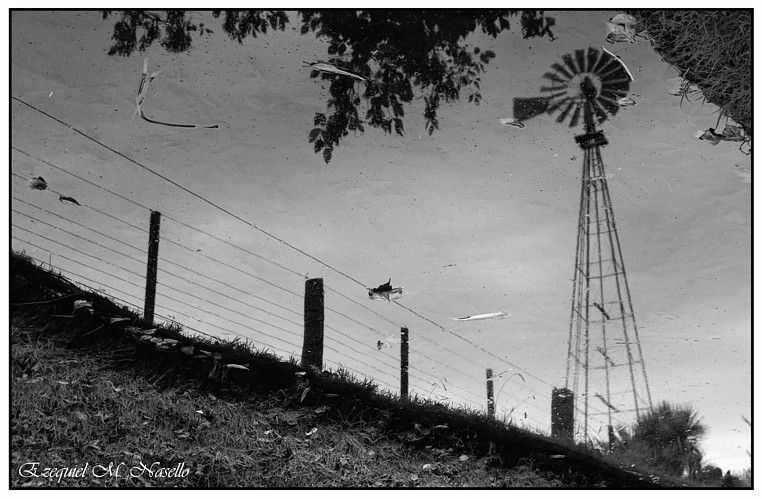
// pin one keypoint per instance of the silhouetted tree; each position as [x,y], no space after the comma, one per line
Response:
[398,52]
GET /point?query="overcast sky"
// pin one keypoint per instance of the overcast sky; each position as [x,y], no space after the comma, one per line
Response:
[476,218]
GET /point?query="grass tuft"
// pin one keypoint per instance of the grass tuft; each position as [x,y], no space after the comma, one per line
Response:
[713,50]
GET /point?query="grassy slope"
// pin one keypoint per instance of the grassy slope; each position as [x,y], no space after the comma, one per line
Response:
[76,408]
[81,394]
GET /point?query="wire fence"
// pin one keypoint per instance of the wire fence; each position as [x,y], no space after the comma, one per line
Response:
[213,285]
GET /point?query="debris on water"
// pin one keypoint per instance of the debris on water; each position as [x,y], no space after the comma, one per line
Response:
[311,432]
[187,350]
[621,28]
[38,184]
[625,101]
[463,457]
[118,320]
[731,133]
[236,366]
[385,291]
[330,68]
[380,344]
[512,122]
[304,394]
[599,307]
[479,317]
[709,135]
[557,456]
[68,200]
[145,80]
[50,94]
[82,307]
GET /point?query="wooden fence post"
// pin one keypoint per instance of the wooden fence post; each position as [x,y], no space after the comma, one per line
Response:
[151,270]
[490,395]
[404,351]
[562,414]
[312,348]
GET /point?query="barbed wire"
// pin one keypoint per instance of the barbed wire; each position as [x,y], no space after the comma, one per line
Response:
[85,204]
[81,252]
[186,280]
[191,251]
[173,298]
[274,237]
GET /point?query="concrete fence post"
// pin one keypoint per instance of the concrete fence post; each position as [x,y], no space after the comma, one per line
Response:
[404,352]
[312,348]
[152,267]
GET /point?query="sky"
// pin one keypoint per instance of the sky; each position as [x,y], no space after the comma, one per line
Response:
[475,218]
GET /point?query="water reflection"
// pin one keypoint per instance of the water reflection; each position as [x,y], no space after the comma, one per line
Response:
[394,54]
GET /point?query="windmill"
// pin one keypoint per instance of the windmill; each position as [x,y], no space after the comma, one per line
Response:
[604,365]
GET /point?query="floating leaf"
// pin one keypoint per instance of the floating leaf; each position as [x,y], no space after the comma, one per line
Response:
[304,393]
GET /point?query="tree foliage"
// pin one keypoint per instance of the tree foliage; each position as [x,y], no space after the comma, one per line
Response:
[399,52]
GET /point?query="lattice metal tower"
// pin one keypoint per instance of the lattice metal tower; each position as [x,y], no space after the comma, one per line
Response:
[605,371]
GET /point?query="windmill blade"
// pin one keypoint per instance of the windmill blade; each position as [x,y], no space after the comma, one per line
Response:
[553,96]
[566,112]
[567,58]
[623,86]
[575,116]
[555,88]
[580,56]
[620,61]
[558,104]
[600,113]
[603,61]
[554,77]
[620,82]
[616,72]
[612,106]
[612,94]
[592,58]
[562,70]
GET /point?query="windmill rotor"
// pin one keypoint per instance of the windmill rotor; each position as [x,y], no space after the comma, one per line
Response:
[585,85]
